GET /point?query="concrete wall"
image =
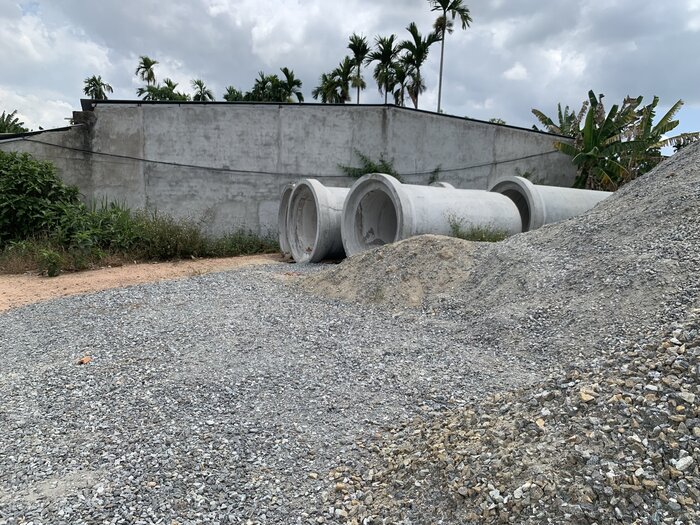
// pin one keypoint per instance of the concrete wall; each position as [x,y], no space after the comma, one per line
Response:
[227,163]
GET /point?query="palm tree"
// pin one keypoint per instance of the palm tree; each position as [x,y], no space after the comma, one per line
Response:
[150,92]
[201,92]
[385,53]
[327,90]
[164,92]
[9,123]
[401,75]
[360,49]
[145,70]
[292,85]
[233,95]
[443,25]
[416,54]
[96,89]
[343,76]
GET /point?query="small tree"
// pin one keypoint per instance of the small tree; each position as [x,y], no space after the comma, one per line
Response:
[10,123]
[360,49]
[612,148]
[233,95]
[416,53]
[201,92]
[384,54]
[96,89]
[145,70]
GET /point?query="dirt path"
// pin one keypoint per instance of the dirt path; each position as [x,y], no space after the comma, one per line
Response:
[20,290]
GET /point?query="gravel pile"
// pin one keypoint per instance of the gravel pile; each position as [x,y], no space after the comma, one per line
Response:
[224,398]
[229,398]
[615,442]
[565,291]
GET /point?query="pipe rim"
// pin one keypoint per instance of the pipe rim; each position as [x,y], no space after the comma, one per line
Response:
[282,214]
[390,188]
[534,216]
[320,200]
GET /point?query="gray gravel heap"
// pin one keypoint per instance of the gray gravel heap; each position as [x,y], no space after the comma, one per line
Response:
[615,441]
[224,398]
[565,291]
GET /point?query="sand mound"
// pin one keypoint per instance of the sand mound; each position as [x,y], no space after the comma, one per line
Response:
[400,274]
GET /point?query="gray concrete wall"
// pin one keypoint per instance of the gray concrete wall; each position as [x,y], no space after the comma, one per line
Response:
[226,164]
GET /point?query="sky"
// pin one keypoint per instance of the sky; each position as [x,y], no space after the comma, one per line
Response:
[517,54]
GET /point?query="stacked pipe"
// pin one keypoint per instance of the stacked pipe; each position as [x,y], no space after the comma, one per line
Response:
[317,222]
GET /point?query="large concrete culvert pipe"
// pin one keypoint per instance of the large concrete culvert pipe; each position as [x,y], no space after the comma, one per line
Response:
[380,210]
[313,221]
[282,219]
[540,205]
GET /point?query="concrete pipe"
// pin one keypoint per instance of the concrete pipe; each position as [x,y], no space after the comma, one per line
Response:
[282,219]
[380,210]
[540,205]
[313,221]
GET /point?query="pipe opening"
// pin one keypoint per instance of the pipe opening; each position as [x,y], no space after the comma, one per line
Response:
[282,219]
[376,222]
[521,203]
[304,218]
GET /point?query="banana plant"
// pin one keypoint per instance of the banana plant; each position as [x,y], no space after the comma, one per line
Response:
[599,150]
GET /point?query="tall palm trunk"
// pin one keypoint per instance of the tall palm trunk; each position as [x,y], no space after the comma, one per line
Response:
[442,57]
[359,70]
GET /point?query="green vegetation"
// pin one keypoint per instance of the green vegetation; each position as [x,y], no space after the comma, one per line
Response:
[398,64]
[435,175]
[9,123]
[270,88]
[45,226]
[444,24]
[334,87]
[96,88]
[360,49]
[201,92]
[477,234]
[615,147]
[367,165]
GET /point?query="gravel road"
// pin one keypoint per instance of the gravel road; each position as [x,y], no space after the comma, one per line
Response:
[225,398]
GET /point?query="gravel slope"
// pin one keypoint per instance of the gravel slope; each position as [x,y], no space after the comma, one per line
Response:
[232,397]
[218,399]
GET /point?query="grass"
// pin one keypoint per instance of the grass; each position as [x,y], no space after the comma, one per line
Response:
[476,233]
[116,236]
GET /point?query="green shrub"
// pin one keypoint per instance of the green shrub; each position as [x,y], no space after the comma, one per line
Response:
[50,262]
[33,200]
[367,165]
[43,225]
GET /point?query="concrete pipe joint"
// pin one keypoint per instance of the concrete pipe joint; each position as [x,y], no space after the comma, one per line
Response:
[313,221]
[282,218]
[380,210]
[540,205]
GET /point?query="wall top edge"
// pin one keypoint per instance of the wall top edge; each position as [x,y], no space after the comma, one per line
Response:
[91,105]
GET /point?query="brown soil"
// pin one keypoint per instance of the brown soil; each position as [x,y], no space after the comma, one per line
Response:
[19,290]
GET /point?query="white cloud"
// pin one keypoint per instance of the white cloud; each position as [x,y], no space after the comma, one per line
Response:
[37,109]
[517,72]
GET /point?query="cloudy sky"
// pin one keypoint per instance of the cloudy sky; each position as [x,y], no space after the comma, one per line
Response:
[517,55]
